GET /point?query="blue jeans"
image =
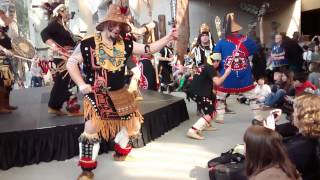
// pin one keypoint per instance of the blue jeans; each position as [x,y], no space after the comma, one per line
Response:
[275,98]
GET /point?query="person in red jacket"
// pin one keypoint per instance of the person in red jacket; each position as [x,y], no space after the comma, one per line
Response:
[301,84]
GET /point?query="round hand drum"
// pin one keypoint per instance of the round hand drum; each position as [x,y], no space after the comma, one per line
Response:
[23,48]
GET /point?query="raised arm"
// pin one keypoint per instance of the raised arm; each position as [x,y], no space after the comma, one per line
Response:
[219,80]
[156,46]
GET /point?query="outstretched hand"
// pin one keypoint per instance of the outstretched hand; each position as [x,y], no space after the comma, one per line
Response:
[85,88]
[228,70]
[8,52]
[271,120]
[174,34]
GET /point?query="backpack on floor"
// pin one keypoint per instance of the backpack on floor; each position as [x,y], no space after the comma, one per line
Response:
[228,171]
[228,166]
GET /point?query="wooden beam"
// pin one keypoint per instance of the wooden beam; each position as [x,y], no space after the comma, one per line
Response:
[182,18]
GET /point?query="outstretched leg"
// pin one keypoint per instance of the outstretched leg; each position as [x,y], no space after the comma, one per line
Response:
[207,105]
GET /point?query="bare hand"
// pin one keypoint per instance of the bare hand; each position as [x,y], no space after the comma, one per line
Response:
[271,120]
[85,88]
[276,114]
[174,34]
[170,58]
[228,70]
[8,52]
[288,98]
[133,86]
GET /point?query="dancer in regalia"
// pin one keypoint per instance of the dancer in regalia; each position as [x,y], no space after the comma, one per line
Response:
[59,38]
[110,110]
[202,91]
[235,49]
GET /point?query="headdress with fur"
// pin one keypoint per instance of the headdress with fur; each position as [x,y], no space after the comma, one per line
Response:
[204,28]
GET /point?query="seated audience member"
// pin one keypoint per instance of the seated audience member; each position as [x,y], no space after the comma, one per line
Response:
[315,56]
[275,86]
[306,53]
[314,76]
[283,86]
[301,135]
[261,90]
[301,83]
[266,157]
[301,86]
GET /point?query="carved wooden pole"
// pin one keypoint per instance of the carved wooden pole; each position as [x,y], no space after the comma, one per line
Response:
[261,31]
[182,18]
[162,25]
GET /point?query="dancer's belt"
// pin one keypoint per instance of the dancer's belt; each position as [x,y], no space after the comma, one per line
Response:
[63,53]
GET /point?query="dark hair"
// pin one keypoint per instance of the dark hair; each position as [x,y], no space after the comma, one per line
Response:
[300,76]
[264,149]
[4,29]
[49,8]
[199,38]
[286,85]
[262,77]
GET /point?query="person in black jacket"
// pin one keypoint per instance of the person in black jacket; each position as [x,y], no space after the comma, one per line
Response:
[293,53]
[302,147]
[60,40]
[301,136]
[202,91]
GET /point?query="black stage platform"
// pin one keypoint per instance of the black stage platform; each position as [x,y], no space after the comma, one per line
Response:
[30,135]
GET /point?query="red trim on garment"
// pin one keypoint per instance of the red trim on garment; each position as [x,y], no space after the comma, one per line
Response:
[122,151]
[194,128]
[238,40]
[86,162]
[236,90]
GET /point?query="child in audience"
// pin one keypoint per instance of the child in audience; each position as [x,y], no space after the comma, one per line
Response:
[261,90]
[301,83]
